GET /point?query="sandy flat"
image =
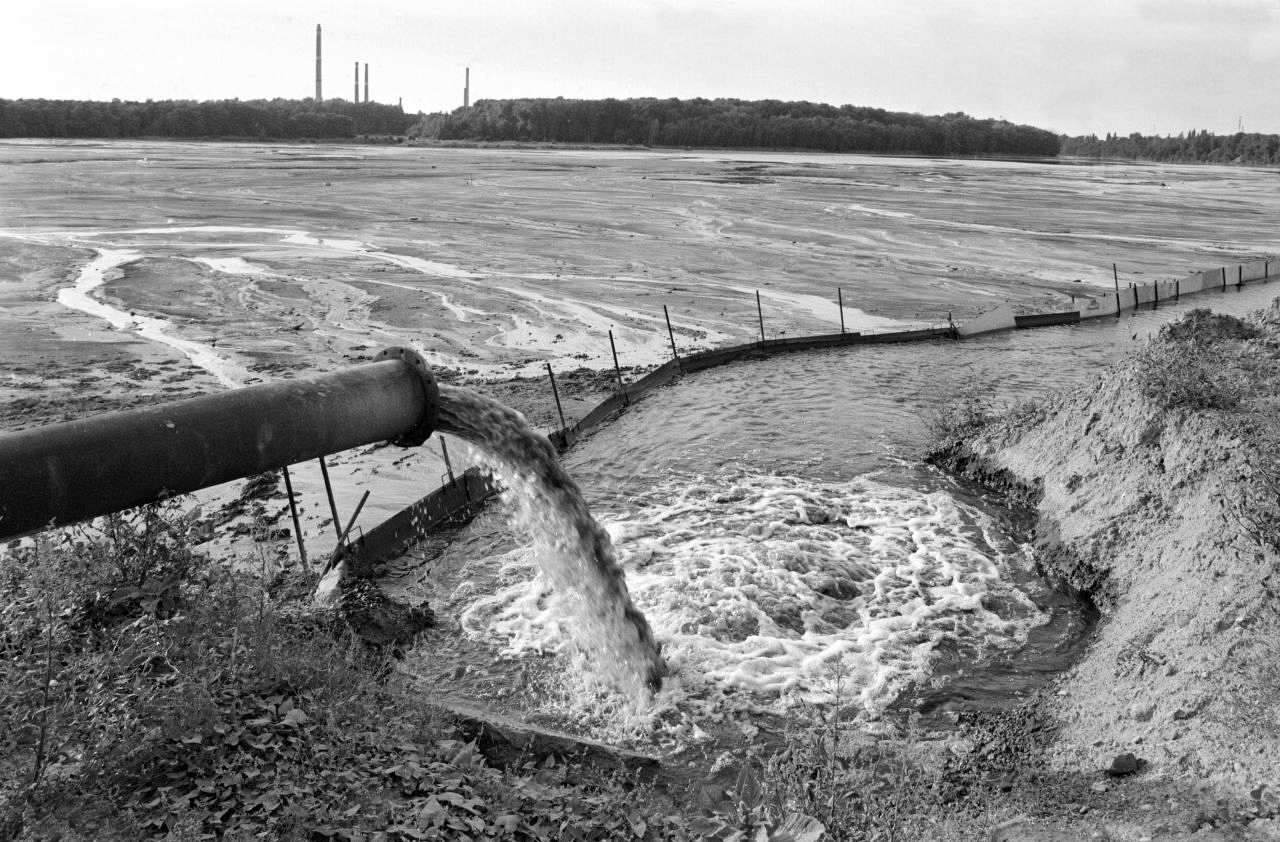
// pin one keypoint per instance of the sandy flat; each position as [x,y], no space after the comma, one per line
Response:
[226,264]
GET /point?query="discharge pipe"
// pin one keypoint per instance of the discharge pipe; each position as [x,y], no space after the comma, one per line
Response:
[65,473]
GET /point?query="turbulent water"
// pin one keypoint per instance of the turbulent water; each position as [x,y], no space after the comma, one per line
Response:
[575,555]
[787,546]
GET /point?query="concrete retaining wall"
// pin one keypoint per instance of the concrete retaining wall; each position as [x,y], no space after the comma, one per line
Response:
[1000,318]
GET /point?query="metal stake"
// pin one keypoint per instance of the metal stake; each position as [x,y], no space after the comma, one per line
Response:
[840,301]
[1239,276]
[444,451]
[1115,273]
[618,370]
[556,394]
[328,490]
[342,538]
[293,512]
[760,314]
[342,535]
[671,333]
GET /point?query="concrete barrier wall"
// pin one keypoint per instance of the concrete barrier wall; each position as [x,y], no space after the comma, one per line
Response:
[1000,318]
[1102,305]
[1257,270]
[1069,317]
[448,503]
[457,502]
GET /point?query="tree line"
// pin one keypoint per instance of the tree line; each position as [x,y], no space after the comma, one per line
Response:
[1191,147]
[275,118]
[772,124]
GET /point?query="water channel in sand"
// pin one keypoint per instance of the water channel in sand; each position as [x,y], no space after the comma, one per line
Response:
[787,546]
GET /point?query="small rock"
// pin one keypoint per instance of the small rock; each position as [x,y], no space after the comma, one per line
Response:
[1142,711]
[1123,764]
[1099,787]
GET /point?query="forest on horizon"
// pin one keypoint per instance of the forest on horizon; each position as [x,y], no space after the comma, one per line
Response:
[729,123]
[290,119]
[1193,147]
[719,123]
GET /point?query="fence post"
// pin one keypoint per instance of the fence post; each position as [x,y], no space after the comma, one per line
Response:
[840,300]
[1177,288]
[671,334]
[293,512]
[448,466]
[555,393]
[1115,274]
[760,314]
[328,490]
[1224,277]
[1239,275]
[617,369]
[1155,292]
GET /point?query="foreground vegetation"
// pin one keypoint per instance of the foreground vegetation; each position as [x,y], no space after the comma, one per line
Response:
[763,124]
[147,691]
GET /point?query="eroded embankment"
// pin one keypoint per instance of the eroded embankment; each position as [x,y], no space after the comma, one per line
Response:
[1156,497]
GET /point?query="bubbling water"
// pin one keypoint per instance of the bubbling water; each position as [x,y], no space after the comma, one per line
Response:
[574,553]
[772,593]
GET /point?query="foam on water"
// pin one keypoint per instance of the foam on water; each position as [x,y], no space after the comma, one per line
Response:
[786,590]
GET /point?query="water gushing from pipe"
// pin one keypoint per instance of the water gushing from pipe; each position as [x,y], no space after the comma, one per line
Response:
[573,550]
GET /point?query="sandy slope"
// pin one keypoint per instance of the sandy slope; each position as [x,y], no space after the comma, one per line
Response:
[1140,507]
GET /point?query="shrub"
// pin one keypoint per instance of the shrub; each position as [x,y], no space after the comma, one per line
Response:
[1192,363]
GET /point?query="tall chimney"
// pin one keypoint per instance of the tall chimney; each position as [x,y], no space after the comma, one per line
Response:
[319,98]
[366,81]
[466,90]
[355,97]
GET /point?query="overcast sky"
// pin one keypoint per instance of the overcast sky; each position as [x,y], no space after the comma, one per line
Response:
[1074,66]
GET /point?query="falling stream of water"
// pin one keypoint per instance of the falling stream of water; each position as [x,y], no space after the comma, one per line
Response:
[575,553]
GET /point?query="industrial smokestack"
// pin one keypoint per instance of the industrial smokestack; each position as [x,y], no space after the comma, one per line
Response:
[466,90]
[366,81]
[355,95]
[319,98]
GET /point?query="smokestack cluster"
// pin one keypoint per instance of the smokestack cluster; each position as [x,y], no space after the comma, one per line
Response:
[319,98]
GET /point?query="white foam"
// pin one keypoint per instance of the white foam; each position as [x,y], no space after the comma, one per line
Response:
[785,589]
[231,266]
[884,212]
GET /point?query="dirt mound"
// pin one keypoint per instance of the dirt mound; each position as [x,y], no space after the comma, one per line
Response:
[1159,511]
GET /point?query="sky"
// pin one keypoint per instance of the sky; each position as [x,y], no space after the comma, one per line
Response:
[1072,66]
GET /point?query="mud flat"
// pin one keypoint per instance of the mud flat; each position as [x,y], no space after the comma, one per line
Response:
[1155,494]
[140,271]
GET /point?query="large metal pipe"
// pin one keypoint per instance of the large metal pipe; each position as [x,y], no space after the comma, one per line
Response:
[64,473]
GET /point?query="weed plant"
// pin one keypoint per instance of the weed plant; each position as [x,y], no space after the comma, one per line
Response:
[147,691]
